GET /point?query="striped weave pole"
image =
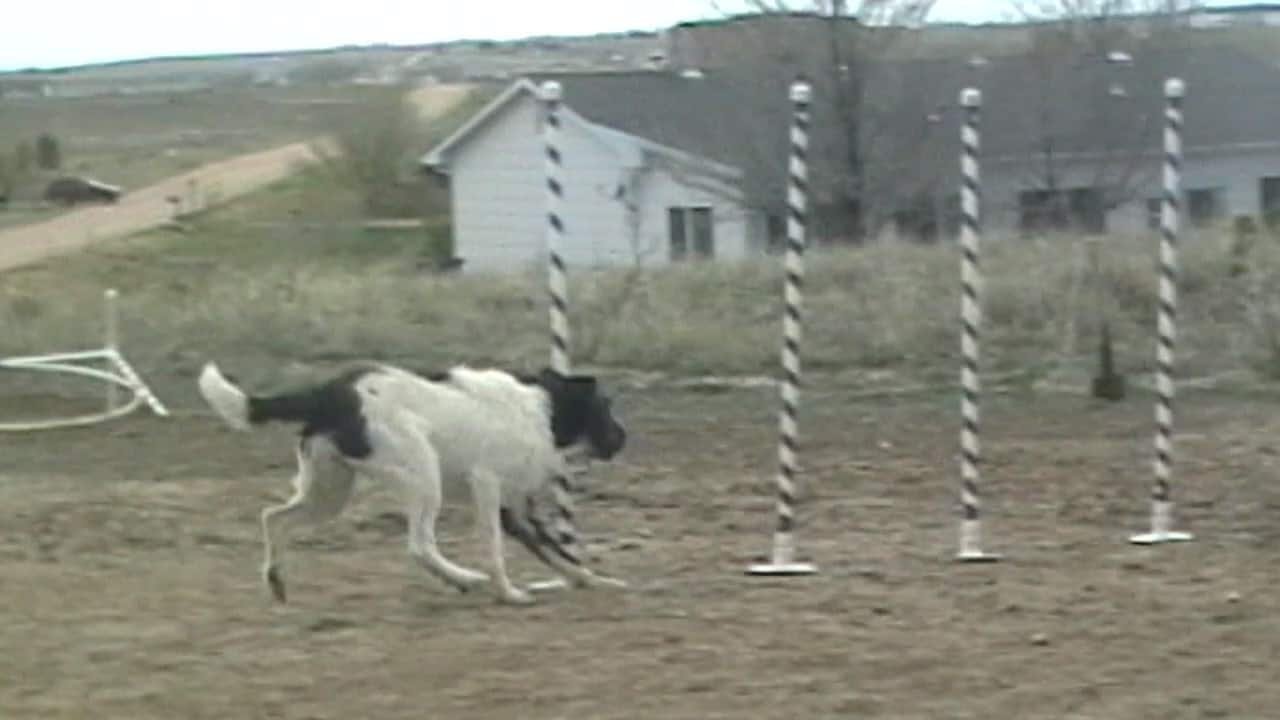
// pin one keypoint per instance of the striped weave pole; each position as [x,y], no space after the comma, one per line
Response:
[565,529]
[1166,328]
[971,321]
[782,560]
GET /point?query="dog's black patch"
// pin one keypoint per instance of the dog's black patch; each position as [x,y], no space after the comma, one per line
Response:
[332,409]
[579,411]
[514,526]
[527,529]
[437,376]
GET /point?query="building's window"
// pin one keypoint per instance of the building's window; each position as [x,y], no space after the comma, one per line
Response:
[776,229]
[1204,206]
[675,228]
[691,229]
[1269,188]
[1080,209]
[1088,212]
[1040,211]
[1154,206]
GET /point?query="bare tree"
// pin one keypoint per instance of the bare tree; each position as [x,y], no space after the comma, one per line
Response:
[1090,55]
[835,43]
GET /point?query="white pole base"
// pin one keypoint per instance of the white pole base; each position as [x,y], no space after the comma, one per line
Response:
[1153,538]
[783,560]
[971,544]
[794,568]
[1161,521]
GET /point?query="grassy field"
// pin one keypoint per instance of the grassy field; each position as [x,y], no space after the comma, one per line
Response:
[135,140]
[289,279]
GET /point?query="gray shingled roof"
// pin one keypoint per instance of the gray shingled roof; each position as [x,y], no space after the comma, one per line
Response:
[1232,98]
[741,119]
[733,123]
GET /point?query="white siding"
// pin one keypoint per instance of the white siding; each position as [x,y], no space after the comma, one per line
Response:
[498,186]
[498,193]
[738,232]
[1236,173]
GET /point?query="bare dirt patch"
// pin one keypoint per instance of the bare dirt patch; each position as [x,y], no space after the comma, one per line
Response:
[129,554]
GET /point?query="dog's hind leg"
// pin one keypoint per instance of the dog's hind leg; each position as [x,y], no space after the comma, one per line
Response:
[533,533]
[405,456]
[322,488]
[486,491]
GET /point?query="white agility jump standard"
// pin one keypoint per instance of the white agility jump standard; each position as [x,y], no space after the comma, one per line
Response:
[782,560]
[119,375]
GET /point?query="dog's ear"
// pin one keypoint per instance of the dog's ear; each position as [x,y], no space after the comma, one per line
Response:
[549,378]
[572,386]
[583,385]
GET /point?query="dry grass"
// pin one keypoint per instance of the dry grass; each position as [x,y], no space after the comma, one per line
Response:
[282,286]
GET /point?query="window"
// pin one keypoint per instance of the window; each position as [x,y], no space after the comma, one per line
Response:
[1088,212]
[1153,212]
[691,229]
[1204,206]
[675,228]
[1269,188]
[1080,209]
[917,219]
[1040,211]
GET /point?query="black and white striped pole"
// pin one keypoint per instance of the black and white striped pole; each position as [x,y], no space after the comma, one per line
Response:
[971,324]
[558,297]
[1166,328]
[557,285]
[782,560]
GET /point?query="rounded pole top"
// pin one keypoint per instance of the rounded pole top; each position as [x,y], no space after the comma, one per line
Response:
[1174,88]
[971,97]
[551,91]
[801,92]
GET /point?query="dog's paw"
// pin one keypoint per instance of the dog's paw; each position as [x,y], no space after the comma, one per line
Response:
[275,581]
[515,596]
[601,581]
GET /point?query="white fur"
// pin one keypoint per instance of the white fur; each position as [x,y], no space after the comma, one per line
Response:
[226,399]
[480,430]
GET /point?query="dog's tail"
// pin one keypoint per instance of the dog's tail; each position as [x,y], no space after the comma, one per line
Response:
[227,400]
[242,411]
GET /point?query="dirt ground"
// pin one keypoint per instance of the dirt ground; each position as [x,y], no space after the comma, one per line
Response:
[129,565]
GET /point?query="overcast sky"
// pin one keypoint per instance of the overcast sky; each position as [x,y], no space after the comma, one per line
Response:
[45,33]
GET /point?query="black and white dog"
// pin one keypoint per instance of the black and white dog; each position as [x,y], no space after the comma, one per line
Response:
[500,435]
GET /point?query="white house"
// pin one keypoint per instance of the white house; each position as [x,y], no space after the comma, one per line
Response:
[641,175]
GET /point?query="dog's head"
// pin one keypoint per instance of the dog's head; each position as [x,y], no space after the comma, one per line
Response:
[582,415]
